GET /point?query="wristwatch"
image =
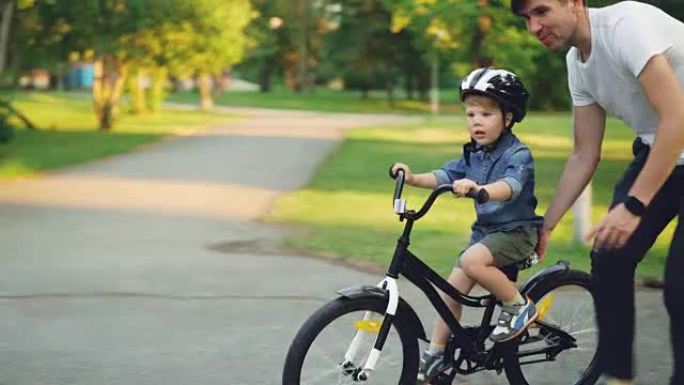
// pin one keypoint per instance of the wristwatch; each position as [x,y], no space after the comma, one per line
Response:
[634,206]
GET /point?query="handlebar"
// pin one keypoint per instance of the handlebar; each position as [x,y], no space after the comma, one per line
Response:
[480,196]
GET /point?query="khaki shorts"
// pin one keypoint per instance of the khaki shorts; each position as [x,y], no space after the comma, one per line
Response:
[509,247]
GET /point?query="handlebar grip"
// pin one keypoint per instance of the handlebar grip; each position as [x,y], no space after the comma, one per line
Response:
[480,196]
[398,188]
[391,174]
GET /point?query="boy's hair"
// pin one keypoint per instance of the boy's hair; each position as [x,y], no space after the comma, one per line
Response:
[482,100]
[516,4]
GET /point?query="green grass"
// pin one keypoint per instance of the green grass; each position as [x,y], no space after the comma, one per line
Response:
[323,99]
[346,209]
[67,132]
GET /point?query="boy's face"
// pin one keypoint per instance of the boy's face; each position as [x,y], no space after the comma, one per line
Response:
[553,22]
[484,118]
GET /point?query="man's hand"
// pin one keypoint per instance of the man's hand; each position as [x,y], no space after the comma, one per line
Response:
[542,243]
[408,175]
[615,229]
[463,186]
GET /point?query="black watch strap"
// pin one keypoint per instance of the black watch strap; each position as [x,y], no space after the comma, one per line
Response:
[635,206]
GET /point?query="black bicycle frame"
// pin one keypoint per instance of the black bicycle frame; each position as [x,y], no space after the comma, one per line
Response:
[417,272]
[405,263]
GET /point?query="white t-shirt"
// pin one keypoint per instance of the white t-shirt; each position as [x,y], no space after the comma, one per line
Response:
[624,36]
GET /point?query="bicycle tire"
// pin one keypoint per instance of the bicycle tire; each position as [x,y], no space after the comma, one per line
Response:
[591,372]
[300,349]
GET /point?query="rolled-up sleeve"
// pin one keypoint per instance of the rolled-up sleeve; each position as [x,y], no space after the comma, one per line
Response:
[450,172]
[518,171]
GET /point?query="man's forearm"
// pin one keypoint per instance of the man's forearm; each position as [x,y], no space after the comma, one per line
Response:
[662,159]
[577,173]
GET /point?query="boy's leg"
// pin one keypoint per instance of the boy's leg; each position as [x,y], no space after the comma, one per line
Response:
[517,313]
[432,360]
[478,264]
[441,331]
[673,293]
[613,276]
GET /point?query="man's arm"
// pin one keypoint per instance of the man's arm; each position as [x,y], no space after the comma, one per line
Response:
[589,124]
[665,94]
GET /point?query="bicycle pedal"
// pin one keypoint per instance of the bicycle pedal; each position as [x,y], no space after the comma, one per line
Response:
[443,378]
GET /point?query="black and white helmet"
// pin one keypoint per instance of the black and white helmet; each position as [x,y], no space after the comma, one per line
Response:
[502,85]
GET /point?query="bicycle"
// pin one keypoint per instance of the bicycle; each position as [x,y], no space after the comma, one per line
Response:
[375,318]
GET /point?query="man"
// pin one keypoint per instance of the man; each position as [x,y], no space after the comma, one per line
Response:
[626,59]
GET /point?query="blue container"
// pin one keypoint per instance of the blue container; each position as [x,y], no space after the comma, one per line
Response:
[85,75]
[80,76]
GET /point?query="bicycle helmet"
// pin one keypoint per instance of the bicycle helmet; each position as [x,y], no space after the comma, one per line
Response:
[504,86]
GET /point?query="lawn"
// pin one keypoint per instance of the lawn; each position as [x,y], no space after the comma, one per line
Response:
[345,212]
[324,99]
[67,132]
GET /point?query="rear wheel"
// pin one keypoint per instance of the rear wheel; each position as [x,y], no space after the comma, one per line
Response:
[321,353]
[566,331]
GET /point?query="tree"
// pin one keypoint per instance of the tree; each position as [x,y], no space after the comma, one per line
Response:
[7,10]
[184,37]
[270,39]
[209,38]
[364,50]
[469,34]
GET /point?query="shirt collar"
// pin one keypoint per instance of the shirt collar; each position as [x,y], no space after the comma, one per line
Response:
[495,150]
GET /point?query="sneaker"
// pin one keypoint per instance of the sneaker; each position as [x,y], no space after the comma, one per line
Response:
[430,365]
[513,320]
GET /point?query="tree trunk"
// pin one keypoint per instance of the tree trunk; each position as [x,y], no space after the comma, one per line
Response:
[60,76]
[265,75]
[158,88]
[217,90]
[110,75]
[302,69]
[390,90]
[19,115]
[206,101]
[136,87]
[7,8]
[410,85]
[434,84]
[484,23]
[423,84]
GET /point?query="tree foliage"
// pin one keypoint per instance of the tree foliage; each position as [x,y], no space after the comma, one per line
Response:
[368,43]
[151,37]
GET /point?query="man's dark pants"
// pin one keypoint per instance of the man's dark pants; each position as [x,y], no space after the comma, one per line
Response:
[613,273]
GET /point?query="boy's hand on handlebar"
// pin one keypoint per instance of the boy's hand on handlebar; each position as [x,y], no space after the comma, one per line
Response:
[463,186]
[408,175]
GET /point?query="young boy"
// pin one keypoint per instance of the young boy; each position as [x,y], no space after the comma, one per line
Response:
[505,231]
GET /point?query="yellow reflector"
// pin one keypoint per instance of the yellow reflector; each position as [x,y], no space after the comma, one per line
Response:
[369,326]
[544,306]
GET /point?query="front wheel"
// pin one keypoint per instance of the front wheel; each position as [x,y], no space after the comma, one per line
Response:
[333,344]
[565,339]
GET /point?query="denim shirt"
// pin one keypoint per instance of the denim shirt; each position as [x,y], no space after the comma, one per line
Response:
[511,162]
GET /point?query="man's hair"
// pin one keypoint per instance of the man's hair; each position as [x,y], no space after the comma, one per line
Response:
[517,4]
